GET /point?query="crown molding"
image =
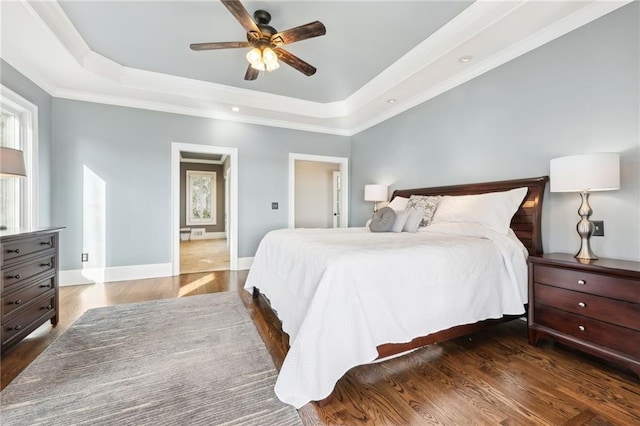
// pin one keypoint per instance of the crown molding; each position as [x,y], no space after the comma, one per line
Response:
[493,32]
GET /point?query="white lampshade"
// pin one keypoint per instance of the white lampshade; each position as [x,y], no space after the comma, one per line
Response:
[585,172]
[11,162]
[375,192]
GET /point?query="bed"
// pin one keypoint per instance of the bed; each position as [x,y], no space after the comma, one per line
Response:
[348,297]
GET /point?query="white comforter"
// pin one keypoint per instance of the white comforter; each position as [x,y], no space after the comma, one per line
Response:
[341,292]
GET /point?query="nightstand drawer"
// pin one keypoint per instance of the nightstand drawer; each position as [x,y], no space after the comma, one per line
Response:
[30,318]
[14,275]
[621,339]
[587,282]
[26,246]
[609,310]
[17,299]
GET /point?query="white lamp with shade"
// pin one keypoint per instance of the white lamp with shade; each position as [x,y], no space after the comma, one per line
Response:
[11,165]
[11,162]
[375,193]
[585,173]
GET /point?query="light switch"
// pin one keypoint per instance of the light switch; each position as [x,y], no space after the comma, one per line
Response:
[274,206]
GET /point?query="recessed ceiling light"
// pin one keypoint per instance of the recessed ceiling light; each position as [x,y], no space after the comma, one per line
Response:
[235,109]
[391,101]
[465,59]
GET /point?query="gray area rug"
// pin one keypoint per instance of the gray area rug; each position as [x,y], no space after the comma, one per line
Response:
[188,361]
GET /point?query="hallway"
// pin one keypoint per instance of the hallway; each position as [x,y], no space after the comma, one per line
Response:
[204,255]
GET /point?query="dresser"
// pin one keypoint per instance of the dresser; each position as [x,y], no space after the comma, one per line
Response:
[594,306]
[29,289]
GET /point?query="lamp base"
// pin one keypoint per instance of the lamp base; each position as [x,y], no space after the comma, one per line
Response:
[585,229]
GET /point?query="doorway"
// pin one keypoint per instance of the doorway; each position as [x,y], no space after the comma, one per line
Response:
[316,195]
[213,228]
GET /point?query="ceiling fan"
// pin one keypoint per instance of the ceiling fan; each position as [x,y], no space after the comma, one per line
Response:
[265,42]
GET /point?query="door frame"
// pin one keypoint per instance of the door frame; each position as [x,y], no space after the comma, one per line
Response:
[335,178]
[344,173]
[232,153]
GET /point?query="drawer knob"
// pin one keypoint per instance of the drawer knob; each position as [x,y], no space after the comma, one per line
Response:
[17,302]
[582,304]
[16,328]
[48,307]
[17,251]
[582,282]
[581,328]
[46,285]
[48,265]
[45,243]
[16,276]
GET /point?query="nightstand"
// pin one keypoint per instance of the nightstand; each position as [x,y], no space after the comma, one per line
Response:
[29,281]
[593,307]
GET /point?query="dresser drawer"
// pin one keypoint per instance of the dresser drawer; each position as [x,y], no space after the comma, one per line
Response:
[588,282]
[17,299]
[602,308]
[618,338]
[19,273]
[29,318]
[23,247]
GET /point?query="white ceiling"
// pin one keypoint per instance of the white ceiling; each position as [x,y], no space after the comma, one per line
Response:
[137,54]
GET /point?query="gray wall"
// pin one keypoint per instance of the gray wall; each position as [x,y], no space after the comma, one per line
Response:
[218,168]
[15,81]
[577,94]
[130,150]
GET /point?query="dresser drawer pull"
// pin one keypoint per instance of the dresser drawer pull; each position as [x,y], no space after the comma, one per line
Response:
[582,304]
[47,307]
[582,282]
[48,265]
[46,285]
[17,302]
[16,328]
[581,328]
[16,276]
[45,243]
[17,251]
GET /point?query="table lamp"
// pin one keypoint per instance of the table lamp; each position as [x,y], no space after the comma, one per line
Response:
[375,193]
[585,173]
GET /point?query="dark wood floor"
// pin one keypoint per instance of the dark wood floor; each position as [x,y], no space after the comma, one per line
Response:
[490,378]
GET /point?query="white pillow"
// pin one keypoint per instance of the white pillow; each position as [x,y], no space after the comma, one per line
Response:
[493,210]
[401,220]
[413,220]
[398,203]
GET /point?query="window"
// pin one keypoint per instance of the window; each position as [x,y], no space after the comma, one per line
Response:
[19,130]
[201,198]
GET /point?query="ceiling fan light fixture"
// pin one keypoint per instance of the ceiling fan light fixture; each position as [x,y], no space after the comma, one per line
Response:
[272,66]
[254,56]
[269,56]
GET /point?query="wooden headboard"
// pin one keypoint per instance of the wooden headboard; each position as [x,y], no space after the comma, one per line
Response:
[527,221]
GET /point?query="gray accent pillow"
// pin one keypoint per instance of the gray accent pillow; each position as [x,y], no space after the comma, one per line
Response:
[427,203]
[382,220]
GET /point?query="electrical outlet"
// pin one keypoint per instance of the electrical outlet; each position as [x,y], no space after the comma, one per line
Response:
[85,257]
[274,206]
[599,228]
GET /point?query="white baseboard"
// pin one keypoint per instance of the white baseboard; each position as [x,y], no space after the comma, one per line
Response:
[244,263]
[215,235]
[208,236]
[114,273]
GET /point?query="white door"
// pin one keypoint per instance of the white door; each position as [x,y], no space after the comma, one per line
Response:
[336,199]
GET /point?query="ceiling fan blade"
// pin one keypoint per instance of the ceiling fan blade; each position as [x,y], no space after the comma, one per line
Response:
[220,45]
[251,73]
[240,13]
[295,62]
[303,32]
